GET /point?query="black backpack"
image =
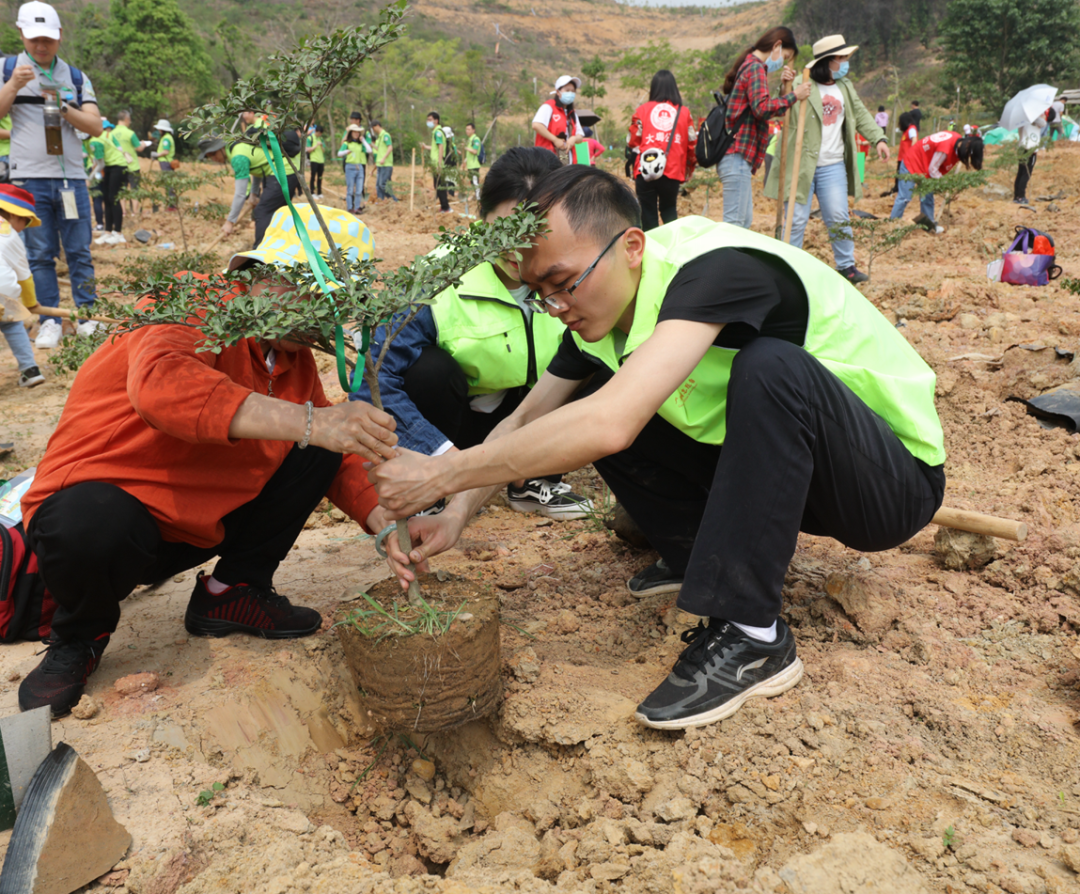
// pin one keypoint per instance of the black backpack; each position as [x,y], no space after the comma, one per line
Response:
[715,138]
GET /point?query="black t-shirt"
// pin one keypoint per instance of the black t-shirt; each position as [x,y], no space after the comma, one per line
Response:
[752,293]
[916,115]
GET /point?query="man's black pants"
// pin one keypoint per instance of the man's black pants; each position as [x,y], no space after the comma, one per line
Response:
[115,179]
[272,198]
[315,183]
[1023,175]
[442,192]
[95,542]
[802,453]
[437,386]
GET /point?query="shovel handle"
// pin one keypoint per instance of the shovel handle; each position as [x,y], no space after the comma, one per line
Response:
[977,523]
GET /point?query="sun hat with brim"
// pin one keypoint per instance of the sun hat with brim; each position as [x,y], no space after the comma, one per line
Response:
[564,80]
[833,45]
[281,244]
[163,124]
[209,147]
[38,20]
[19,202]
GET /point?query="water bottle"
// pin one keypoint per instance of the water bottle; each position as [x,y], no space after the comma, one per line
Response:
[54,137]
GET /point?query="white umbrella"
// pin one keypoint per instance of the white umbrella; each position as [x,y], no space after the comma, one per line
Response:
[1027,105]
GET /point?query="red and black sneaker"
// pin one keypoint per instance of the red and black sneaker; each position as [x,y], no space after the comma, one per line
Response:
[61,677]
[243,608]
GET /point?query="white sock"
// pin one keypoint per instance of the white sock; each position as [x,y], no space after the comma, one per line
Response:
[762,634]
[215,587]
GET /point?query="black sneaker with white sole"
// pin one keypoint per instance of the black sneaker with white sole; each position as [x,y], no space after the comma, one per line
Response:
[717,672]
[433,509]
[550,499]
[657,578]
[30,377]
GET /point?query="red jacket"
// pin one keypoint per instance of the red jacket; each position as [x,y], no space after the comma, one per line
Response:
[651,128]
[558,125]
[151,415]
[919,156]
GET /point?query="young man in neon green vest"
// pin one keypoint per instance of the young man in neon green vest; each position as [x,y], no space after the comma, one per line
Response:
[733,391]
[384,161]
[316,150]
[436,156]
[120,152]
[473,145]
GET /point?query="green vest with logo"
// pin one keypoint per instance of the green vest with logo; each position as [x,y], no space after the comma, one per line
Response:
[166,148]
[844,331]
[496,344]
[260,167]
[118,143]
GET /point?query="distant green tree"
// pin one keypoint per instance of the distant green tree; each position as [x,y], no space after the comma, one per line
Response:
[994,48]
[234,45]
[697,72]
[145,55]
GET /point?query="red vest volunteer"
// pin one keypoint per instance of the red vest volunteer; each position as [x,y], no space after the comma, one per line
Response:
[650,128]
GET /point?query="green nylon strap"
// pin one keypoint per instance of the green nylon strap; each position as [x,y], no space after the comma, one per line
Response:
[270,146]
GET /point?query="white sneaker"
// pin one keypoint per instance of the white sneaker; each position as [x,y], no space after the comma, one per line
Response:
[103,239]
[117,239]
[87,328]
[49,334]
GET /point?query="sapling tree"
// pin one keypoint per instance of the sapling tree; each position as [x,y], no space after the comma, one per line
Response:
[332,295]
[875,236]
[949,187]
[172,189]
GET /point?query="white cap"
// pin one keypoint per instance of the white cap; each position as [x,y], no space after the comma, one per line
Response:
[38,20]
[163,124]
[564,80]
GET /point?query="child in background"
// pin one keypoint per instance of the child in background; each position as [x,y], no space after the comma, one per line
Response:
[16,281]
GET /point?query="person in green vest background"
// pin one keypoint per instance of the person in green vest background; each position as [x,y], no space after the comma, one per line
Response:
[466,361]
[165,154]
[732,390]
[215,151]
[130,146]
[384,161]
[316,151]
[436,154]
[473,145]
[354,149]
[95,171]
[121,148]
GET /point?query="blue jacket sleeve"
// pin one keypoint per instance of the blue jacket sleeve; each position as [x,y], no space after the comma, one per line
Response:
[413,430]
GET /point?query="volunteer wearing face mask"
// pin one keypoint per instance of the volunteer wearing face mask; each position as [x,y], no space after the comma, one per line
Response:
[827,169]
[556,122]
[749,111]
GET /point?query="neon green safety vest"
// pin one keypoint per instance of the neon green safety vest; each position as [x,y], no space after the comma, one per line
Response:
[123,138]
[357,155]
[259,166]
[166,148]
[844,331]
[317,155]
[438,141]
[384,150]
[495,343]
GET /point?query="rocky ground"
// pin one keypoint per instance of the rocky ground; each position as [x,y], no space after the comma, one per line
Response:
[931,746]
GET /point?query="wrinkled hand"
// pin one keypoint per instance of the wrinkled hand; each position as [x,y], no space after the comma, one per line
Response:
[407,484]
[22,75]
[883,151]
[431,535]
[354,427]
[802,92]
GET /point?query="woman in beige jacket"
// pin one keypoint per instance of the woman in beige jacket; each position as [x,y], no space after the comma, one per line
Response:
[827,169]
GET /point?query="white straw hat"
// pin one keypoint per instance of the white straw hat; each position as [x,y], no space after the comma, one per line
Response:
[833,45]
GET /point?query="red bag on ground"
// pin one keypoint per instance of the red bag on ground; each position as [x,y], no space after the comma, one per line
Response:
[1029,261]
[26,607]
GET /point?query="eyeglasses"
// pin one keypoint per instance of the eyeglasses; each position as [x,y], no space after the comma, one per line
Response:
[541,303]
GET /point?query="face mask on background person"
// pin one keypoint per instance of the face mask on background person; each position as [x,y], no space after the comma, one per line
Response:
[772,65]
[841,72]
[431,125]
[567,97]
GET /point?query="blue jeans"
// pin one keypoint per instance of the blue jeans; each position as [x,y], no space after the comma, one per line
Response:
[830,187]
[735,174]
[354,187]
[382,181]
[43,243]
[905,189]
[19,342]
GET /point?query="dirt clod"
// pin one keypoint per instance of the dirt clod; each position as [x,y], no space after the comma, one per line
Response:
[960,550]
[135,684]
[87,708]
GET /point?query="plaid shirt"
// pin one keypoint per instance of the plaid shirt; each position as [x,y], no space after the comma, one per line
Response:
[751,93]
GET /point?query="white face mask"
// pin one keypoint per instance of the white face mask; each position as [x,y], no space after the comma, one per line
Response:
[567,97]
[431,125]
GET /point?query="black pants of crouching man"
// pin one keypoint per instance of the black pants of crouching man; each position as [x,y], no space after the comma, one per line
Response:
[802,453]
[95,542]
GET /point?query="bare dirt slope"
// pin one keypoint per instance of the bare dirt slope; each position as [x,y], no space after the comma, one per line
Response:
[932,745]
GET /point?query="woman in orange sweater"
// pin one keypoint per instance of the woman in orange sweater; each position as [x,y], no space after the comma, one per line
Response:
[165,457]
